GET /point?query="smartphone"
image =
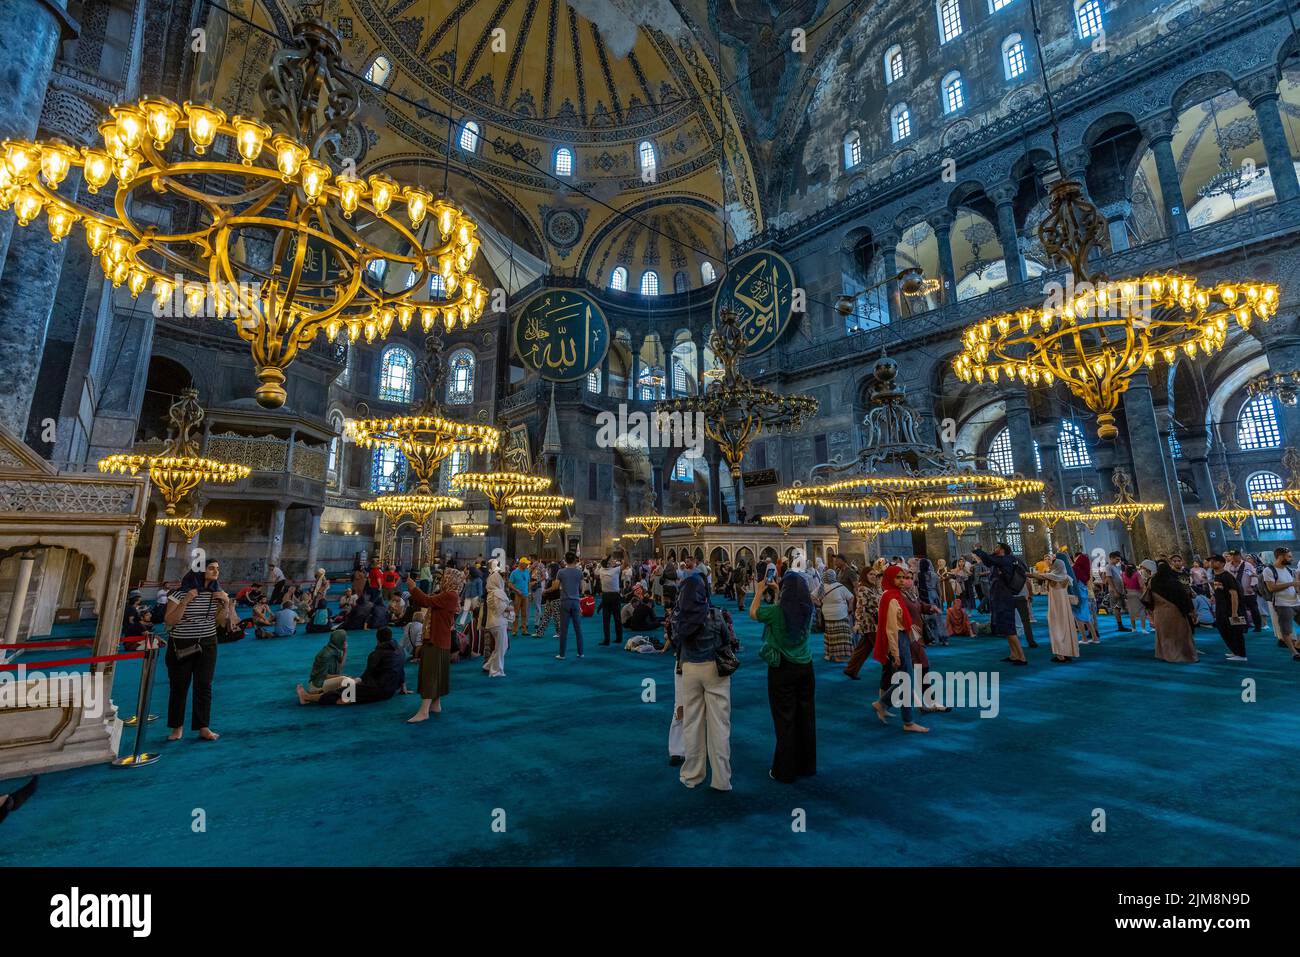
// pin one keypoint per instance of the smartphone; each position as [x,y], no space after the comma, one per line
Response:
[771,574]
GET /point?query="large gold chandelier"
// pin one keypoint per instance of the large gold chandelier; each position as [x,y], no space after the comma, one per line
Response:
[1095,334]
[732,409]
[177,469]
[785,520]
[1290,493]
[500,487]
[694,519]
[1125,508]
[285,240]
[190,525]
[1229,511]
[426,437]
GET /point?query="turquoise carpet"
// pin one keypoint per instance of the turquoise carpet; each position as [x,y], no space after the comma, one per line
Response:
[1185,771]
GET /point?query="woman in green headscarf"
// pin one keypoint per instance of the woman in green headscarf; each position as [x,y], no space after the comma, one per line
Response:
[329,662]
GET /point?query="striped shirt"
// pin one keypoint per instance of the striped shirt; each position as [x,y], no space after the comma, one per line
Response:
[200,618]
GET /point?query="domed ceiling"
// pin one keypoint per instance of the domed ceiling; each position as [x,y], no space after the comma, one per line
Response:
[596,77]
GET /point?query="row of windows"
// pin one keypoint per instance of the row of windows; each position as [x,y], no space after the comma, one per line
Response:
[1072,448]
[1015,62]
[650,279]
[397,376]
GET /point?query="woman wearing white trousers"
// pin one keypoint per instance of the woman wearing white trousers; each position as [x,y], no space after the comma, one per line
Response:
[705,697]
[498,604]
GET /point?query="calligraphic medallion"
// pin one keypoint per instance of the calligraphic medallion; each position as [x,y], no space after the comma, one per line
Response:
[759,286]
[561,334]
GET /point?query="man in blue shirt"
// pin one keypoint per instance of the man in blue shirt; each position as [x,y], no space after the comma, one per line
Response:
[570,578]
[286,621]
[519,595]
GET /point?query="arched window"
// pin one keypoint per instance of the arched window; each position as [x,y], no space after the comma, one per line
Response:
[954,96]
[1014,63]
[680,382]
[949,20]
[332,466]
[707,272]
[1087,18]
[593,381]
[376,269]
[996,5]
[1277,525]
[683,471]
[1072,447]
[852,149]
[1257,426]
[564,161]
[453,465]
[679,281]
[900,122]
[380,71]
[1006,517]
[396,374]
[650,384]
[618,279]
[437,286]
[387,470]
[345,378]
[649,283]
[460,382]
[1175,447]
[646,152]
[469,136]
[893,64]
[1084,495]
[1000,453]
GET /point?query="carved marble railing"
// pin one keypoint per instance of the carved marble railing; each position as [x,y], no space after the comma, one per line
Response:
[71,494]
[309,462]
[261,454]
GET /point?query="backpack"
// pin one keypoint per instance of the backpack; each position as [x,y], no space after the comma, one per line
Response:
[1015,578]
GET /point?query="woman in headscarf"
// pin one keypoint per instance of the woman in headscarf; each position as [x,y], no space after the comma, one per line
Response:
[705,696]
[1080,598]
[866,604]
[893,648]
[494,622]
[327,668]
[958,620]
[1174,615]
[836,603]
[319,588]
[435,642]
[1082,569]
[1060,621]
[790,681]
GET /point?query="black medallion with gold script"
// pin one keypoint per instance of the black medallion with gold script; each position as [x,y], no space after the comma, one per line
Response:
[759,286]
[561,334]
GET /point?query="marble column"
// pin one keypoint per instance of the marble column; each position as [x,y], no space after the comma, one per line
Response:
[1150,477]
[1117,215]
[941,222]
[1048,438]
[1177,511]
[715,487]
[1004,197]
[889,257]
[18,603]
[275,534]
[1207,534]
[1160,132]
[1075,166]
[1261,92]
[1033,535]
[32,30]
[157,552]
[313,539]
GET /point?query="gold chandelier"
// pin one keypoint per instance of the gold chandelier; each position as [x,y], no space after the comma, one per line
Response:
[189,524]
[500,487]
[695,519]
[1095,334]
[1229,511]
[1290,494]
[1125,508]
[786,520]
[469,527]
[546,527]
[734,410]
[281,244]
[901,496]
[426,437]
[178,469]
[943,514]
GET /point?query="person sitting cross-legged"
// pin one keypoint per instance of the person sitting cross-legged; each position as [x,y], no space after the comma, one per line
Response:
[385,676]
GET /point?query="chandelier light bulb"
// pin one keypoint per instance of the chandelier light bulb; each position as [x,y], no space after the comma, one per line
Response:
[97,169]
[161,116]
[314,177]
[22,160]
[382,191]
[417,204]
[56,160]
[131,126]
[249,137]
[289,156]
[204,124]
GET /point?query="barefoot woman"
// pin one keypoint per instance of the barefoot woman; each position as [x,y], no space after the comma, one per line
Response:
[435,646]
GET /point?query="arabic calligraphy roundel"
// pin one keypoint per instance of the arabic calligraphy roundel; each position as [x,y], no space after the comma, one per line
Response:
[759,286]
[561,334]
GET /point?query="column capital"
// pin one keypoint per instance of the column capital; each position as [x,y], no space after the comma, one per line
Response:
[1258,87]
[1120,209]
[889,239]
[1159,127]
[1076,162]
[1003,194]
[1015,401]
[941,220]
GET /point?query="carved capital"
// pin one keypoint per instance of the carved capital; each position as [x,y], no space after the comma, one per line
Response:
[888,240]
[941,220]
[1158,127]
[1076,162]
[1003,194]
[1258,86]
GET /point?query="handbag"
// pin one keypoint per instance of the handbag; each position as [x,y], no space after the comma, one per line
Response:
[587,605]
[724,658]
[181,652]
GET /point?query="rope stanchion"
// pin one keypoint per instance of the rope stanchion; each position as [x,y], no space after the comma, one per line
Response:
[139,758]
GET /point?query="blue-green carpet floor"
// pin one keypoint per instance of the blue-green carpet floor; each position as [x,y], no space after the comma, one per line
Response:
[1185,771]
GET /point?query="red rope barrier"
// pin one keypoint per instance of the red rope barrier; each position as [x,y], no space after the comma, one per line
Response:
[68,643]
[72,661]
